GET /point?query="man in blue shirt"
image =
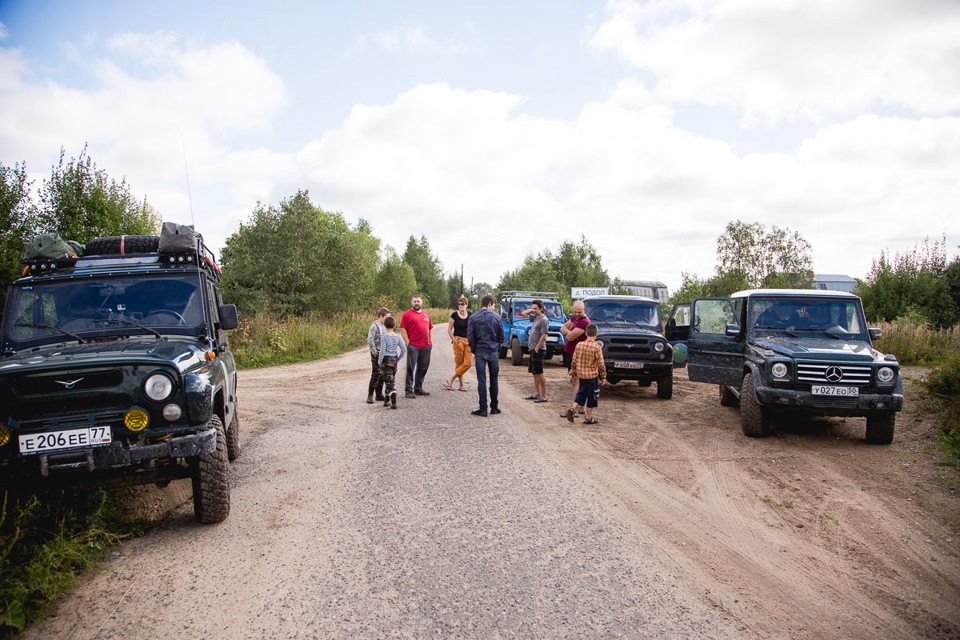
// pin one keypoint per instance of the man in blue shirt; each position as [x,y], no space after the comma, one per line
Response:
[485,335]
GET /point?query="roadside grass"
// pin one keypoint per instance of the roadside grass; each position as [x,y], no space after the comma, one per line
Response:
[915,343]
[48,539]
[265,340]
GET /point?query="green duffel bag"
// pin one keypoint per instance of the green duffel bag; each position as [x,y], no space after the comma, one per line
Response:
[51,246]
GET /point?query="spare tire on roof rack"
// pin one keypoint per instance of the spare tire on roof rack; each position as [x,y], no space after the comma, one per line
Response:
[122,245]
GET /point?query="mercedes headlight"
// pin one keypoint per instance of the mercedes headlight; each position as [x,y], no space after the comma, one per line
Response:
[779,370]
[885,375]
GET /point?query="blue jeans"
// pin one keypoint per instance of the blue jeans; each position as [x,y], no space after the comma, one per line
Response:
[486,359]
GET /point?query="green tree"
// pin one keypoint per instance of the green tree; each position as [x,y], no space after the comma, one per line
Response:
[81,202]
[428,271]
[573,265]
[299,259]
[17,223]
[395,283]
[778,258]
[918,284]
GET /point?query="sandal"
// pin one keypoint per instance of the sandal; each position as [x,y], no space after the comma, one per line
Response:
[540,400]
[448,386]
[462,389]
[530,398]
[591,421]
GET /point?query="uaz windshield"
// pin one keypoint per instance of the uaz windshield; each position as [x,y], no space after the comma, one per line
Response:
[52,311]
[643,313]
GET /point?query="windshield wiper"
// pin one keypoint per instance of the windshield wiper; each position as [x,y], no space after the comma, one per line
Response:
[52,328]
[633,322]
[132,324]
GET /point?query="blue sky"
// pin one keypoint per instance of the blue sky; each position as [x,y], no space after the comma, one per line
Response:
[501,129]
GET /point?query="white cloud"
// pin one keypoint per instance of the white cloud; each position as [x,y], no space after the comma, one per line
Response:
[785,60]
[406,39]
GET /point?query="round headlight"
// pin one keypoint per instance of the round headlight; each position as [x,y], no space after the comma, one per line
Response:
[658,347]
[885,374]
[172,412]
[779,370]
[600,343]
[158,387]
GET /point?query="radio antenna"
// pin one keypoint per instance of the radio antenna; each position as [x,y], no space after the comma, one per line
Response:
[186,171]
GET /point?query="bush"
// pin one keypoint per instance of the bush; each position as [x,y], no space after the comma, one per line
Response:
[943,385]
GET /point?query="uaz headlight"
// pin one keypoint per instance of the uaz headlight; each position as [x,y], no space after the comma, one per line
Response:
[158,387]
[658,347]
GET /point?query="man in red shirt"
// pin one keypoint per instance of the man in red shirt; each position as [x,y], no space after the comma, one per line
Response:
[415,327]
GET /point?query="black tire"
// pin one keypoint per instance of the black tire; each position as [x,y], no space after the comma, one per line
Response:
[211,481]
[502,352]
[112,245]
[754,418]
[727,397]
[880,428]
[665,388]
[516,352]
[233,436]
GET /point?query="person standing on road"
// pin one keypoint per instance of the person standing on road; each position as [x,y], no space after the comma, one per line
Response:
[373,341]
[537,346]
[573,330]
[392,350]
[415,327]
[457,330]
[588,368]
[485,335]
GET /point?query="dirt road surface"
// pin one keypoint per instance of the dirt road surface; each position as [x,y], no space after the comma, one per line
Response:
[662,521]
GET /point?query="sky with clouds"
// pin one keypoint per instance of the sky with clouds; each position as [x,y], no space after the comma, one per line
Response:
[500,129]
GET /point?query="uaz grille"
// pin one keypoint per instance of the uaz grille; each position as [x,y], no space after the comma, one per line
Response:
[831,373]
[627,346]
[66,382]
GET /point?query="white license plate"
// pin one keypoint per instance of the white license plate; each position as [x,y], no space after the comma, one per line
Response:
[68,439]
[628,365]
[830,390]
[552,339]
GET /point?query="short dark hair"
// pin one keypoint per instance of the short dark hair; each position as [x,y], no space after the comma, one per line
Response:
[539,303]
[389,322]
[383,312]
[592,330]
[487,300]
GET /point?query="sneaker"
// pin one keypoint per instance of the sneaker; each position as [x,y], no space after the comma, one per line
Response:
[591,421]
[479,412]
[393,400]
[569,415]
[409,395]
[494,412]
[421,393]
[386,402]
[370,398]
[379,397]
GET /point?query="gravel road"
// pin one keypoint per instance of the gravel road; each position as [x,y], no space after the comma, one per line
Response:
[353,521]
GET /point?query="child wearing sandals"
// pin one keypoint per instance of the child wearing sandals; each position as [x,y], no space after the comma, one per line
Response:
[390,342]
[587,364]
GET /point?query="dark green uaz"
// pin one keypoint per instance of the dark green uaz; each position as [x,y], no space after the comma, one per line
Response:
[115,369]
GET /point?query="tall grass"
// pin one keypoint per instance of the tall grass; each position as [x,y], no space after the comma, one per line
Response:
[265,340]
[916,343]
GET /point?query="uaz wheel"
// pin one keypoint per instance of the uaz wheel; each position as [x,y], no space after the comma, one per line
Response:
[665,387]
[516,352]
[211,481]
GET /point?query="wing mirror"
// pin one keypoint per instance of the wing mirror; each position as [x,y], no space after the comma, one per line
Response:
[228,317]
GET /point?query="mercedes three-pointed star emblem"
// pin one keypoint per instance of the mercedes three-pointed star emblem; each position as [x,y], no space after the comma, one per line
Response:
[834,374]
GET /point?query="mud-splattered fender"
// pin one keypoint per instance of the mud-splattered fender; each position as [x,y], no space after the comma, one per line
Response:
[199,391]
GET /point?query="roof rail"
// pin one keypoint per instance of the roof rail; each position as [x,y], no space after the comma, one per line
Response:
[512,293]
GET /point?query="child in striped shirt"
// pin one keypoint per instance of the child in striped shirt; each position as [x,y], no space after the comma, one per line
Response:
[390,342]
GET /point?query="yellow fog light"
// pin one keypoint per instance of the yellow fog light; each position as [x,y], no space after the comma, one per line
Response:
[136,420]
[4,435]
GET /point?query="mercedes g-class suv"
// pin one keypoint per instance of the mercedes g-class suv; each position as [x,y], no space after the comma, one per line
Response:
[633,347]
[516,327]
[115,369]
[785,350]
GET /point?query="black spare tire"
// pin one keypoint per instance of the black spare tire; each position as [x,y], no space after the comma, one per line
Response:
[117,245]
